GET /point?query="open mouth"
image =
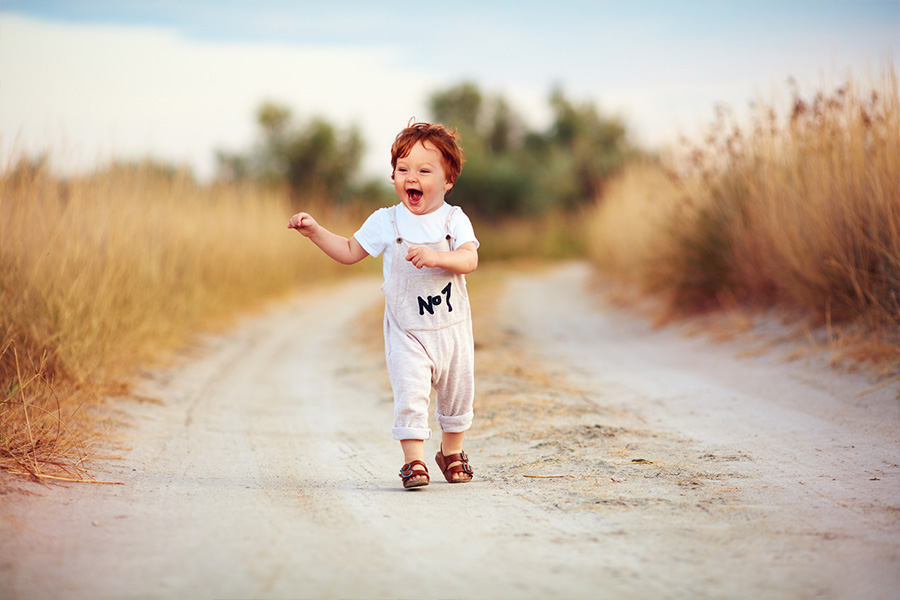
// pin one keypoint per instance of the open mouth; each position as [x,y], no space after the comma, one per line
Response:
[414,195]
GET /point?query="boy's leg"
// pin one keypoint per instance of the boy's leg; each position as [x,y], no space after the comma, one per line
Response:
[455,386]
[409,369]
[451,443]
[455,379]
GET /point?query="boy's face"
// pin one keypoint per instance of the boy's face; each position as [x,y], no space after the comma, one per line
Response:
[419,179]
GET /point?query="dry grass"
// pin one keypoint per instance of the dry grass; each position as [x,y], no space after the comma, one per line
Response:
[556,235]
[103,273]
[799,211]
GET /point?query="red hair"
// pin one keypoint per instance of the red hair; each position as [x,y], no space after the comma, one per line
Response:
[445,141]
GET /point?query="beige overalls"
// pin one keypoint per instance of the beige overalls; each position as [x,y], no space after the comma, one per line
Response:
[428,342]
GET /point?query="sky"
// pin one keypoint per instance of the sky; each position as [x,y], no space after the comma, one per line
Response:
[88,81]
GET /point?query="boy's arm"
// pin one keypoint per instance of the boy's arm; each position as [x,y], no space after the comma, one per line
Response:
[339,248]
[462,261]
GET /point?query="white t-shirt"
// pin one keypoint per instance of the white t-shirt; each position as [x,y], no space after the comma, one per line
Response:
[377,234]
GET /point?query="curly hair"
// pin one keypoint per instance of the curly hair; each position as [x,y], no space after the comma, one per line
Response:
[444,140]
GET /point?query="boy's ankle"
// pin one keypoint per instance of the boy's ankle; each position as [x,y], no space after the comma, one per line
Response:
[413,450]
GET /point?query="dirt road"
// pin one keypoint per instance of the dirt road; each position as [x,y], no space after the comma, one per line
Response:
[612,461]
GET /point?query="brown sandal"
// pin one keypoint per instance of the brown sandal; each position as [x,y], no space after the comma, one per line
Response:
[444,463]
[407,473]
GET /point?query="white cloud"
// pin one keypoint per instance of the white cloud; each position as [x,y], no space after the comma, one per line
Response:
[94,92]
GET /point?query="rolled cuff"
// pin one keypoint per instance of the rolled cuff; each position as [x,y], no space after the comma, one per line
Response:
[457,423]
[411,433]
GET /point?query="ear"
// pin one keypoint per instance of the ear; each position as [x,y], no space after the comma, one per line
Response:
[447,186]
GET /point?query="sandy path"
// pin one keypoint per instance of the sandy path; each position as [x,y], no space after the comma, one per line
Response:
[612,462]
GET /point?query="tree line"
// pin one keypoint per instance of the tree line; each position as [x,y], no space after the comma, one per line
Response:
[510,168]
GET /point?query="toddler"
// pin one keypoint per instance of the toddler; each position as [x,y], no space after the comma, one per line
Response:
[428,247]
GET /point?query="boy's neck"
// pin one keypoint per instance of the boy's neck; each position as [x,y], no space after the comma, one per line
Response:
[442,205]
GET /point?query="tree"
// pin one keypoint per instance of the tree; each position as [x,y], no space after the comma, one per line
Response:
[597,145]
[459,105]
[313,158]
[511,170]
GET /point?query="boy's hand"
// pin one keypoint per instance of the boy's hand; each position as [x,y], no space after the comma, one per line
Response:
[303,223]
[421,257]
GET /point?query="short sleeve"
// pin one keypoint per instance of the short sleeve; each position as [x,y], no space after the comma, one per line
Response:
[462,230]
[374,234]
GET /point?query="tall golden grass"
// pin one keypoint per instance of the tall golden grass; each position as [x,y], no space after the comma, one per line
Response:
[105,273]
[800,209]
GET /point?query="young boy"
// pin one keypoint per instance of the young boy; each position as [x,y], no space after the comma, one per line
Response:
[428,247]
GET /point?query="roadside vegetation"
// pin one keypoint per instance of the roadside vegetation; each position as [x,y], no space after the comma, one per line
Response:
[105,273]
[798,210]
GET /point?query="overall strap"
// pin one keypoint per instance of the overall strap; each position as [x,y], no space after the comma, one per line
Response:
[447,222]
[394,223]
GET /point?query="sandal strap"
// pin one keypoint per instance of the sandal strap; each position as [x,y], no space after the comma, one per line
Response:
[460,468]
[463,467]
[406,471]
[461,456]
